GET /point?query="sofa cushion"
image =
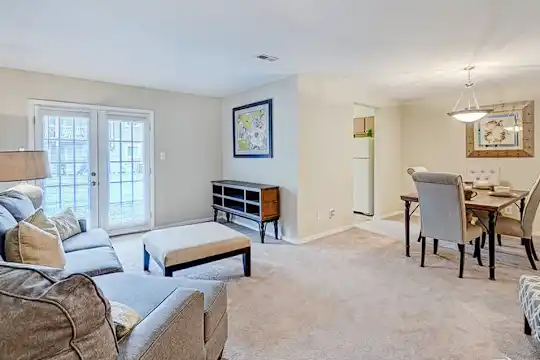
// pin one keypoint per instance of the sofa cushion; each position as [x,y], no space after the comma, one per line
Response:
[18,204]
[57,316]
[93,262]
[151,290]
[87,240]
[7,221]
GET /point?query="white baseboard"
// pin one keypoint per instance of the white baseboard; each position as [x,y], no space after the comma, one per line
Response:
[385,216]
[181,223]
[323,234]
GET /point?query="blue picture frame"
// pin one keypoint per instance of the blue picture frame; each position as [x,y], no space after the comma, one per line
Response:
[252,130]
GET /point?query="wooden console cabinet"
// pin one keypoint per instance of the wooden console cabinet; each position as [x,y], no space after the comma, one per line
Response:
[257,202]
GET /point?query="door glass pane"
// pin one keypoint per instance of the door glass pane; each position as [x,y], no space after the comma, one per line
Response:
[66,138]
[128,178]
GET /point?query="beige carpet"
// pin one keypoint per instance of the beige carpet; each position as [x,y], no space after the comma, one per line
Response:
[355,296]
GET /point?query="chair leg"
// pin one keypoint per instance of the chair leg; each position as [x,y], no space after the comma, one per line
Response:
[423,251]
[483,240]
[461,259]
[499,239]
[420,237]
[435,246]
[526,328]
[533,251]
[527,243]
[477,251]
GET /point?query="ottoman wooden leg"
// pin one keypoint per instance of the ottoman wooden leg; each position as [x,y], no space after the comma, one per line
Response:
[168,272]
[247,262]
[146,259]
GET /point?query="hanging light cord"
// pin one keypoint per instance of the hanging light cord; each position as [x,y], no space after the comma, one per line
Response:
[468,85]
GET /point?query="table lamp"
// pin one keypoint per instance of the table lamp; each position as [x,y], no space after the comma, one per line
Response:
[22,166]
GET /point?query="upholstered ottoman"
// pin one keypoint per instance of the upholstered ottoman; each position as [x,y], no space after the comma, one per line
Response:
[181,247]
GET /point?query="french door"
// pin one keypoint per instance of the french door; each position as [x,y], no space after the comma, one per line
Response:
[100,161]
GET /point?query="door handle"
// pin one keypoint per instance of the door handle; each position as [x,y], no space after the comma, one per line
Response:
[93,183]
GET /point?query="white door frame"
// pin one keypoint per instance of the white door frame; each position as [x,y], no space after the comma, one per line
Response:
[31,121]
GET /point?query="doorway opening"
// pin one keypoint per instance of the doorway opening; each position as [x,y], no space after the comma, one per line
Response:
[363,160]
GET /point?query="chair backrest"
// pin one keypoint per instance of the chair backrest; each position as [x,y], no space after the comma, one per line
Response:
[531,205]
[414,169]
[442,204]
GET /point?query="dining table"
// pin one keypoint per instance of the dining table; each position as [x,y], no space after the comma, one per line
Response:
[483,201]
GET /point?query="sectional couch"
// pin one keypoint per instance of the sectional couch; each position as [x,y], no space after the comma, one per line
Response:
[182,318]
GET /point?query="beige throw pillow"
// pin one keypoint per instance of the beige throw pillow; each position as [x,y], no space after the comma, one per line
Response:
[36,246]
[67,224]
[124,318]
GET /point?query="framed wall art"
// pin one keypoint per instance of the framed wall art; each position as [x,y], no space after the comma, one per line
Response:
[252,130]
[506,132]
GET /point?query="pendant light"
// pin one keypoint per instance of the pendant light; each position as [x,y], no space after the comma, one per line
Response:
[471,113]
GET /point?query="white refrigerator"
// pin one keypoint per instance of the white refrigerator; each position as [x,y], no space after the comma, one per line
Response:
[363,175]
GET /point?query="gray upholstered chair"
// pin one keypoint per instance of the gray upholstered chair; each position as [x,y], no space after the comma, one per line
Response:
[522,228]
[411,171]
[443,212]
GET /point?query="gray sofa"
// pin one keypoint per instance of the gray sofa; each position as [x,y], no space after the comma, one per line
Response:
[182,318]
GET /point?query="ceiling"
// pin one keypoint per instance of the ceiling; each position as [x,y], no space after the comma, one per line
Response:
[400,48]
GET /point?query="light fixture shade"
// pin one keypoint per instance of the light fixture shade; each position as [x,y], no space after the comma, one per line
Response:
[24,165]
[469,115]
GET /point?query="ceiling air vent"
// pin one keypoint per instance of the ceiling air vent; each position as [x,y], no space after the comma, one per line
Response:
[267,57]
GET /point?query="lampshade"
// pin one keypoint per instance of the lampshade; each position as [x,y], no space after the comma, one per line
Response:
[24,165]
[469,115]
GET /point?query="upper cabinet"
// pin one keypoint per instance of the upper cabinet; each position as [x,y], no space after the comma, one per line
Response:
[364,126]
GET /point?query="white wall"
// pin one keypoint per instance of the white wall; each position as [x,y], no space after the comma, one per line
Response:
[282,169]
[325,158]
[363,111]
[432,139]
[387,158]
[187,129]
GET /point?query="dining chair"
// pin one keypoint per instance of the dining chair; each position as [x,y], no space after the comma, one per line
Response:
[443,214]
[522,228]
[411,171]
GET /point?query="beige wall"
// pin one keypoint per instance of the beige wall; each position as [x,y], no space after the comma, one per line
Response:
[432,139]
[325,158]
[282,169]
[387,159]
[187,129]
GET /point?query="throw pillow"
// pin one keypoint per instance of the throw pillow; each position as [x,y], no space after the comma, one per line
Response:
[18,204]
[124,318]
[53,315]
[39,219]
[67,224]
[32,245]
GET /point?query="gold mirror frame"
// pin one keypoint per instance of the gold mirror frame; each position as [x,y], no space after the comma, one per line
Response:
[527,150]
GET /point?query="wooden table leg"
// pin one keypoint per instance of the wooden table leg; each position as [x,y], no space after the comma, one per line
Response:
[407,228]
[492,245]
[276,232]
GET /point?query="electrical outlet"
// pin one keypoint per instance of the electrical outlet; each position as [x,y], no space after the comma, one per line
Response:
[508,210]
[318,215]
[331,213]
